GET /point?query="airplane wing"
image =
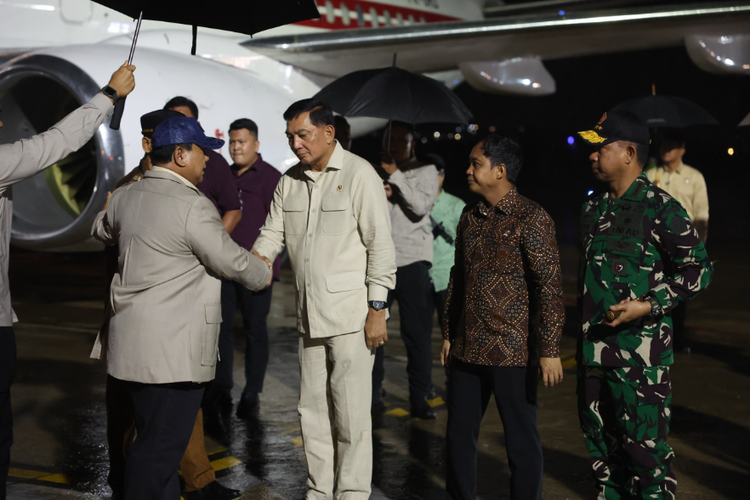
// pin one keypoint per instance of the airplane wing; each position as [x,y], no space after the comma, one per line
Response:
[442,46]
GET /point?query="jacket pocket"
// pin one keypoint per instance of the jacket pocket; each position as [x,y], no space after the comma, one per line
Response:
[345,282]
[210,349]
[295,215]
[335,214]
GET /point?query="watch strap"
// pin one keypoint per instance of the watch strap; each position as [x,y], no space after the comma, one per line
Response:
[110,92]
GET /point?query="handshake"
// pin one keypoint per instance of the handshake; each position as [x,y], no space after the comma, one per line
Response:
[267,261]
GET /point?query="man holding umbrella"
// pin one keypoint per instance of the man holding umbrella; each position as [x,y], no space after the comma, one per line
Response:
[411,187]
[19,161]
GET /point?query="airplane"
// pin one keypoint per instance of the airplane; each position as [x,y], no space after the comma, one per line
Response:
[57,53]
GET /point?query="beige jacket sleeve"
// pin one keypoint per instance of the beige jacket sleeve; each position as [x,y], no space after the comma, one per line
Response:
[270,242]
[216,250]
[24,158]
[371,211]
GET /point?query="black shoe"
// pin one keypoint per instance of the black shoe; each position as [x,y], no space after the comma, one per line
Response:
[423,411]
[118,494]
[248,407]
[432,393]
[213,491]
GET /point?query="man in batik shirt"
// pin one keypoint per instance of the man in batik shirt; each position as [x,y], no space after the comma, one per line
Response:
[505,252]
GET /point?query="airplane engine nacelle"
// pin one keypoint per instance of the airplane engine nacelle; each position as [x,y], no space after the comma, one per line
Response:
[54,209]
[724,55]
[517,76]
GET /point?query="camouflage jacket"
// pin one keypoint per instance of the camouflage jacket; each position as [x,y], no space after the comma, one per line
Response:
[641,243]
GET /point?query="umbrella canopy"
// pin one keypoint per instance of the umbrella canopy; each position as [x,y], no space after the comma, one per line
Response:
[246,16]
[394,94]
[661,111]
[241,16]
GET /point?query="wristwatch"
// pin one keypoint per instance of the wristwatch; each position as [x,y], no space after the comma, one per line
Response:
[378,305]
[655,307]
[110,92]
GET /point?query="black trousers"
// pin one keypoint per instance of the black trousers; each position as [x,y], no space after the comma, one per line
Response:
[255,307]
[414,295]
[7,374]
[470,387]
[439,299]
[164,419]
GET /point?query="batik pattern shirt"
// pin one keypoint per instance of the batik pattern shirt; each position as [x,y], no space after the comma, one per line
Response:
[503,254]
[641,243]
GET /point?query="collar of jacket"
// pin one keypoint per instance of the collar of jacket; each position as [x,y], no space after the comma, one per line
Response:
[336,161]
[158,172]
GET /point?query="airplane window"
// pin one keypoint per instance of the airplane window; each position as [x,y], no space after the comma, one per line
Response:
[330,16]
[399,19]
[411,19]
[345,14]
[387,18]
[360,17]
[374,17]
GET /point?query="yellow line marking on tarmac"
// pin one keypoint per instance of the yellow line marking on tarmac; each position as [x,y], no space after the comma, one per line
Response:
[397,412]
[55,478]
[225,463]
[568,361]
[290,431]
[216,451]
[436,402]
[297,441]
[25,474]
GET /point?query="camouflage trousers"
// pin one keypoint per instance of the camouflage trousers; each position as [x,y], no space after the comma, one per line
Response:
[625,415]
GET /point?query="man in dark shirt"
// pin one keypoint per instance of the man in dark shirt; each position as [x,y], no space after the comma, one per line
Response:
[505,252]
[217,184]
[255,182]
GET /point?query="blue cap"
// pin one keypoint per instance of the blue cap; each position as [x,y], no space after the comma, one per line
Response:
[183,130]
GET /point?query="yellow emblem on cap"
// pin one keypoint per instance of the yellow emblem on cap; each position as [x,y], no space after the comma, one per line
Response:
[592,137]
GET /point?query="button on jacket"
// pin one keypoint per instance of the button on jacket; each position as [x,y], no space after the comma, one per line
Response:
[166,297]
[338,233]
[24,158]
[502,253]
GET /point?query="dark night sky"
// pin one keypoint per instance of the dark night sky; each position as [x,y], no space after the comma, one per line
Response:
[557,176]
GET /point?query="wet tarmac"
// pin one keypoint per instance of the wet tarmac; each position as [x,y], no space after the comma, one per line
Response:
[58,399]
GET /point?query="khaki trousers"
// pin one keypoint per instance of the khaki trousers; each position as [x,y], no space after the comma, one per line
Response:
[334,409]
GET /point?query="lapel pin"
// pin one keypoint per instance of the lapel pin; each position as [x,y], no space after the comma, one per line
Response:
[340,188]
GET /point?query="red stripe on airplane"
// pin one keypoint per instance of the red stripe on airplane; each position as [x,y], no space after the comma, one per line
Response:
[380,9]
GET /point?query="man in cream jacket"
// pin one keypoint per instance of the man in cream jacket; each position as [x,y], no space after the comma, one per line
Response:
[331,213]
[166,306]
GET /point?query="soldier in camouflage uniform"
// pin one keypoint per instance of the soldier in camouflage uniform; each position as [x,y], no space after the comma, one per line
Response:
[640,255]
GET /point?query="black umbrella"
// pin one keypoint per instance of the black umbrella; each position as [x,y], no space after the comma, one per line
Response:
[246,16]
[662,111]
[394,94]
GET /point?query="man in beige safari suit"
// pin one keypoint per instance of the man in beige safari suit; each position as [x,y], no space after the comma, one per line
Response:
[331,212]
[165,300]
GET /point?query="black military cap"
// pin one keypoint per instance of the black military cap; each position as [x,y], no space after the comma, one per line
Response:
[149,121]
[617,126]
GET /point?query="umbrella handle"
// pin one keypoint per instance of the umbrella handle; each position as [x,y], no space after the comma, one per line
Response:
[114,123]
